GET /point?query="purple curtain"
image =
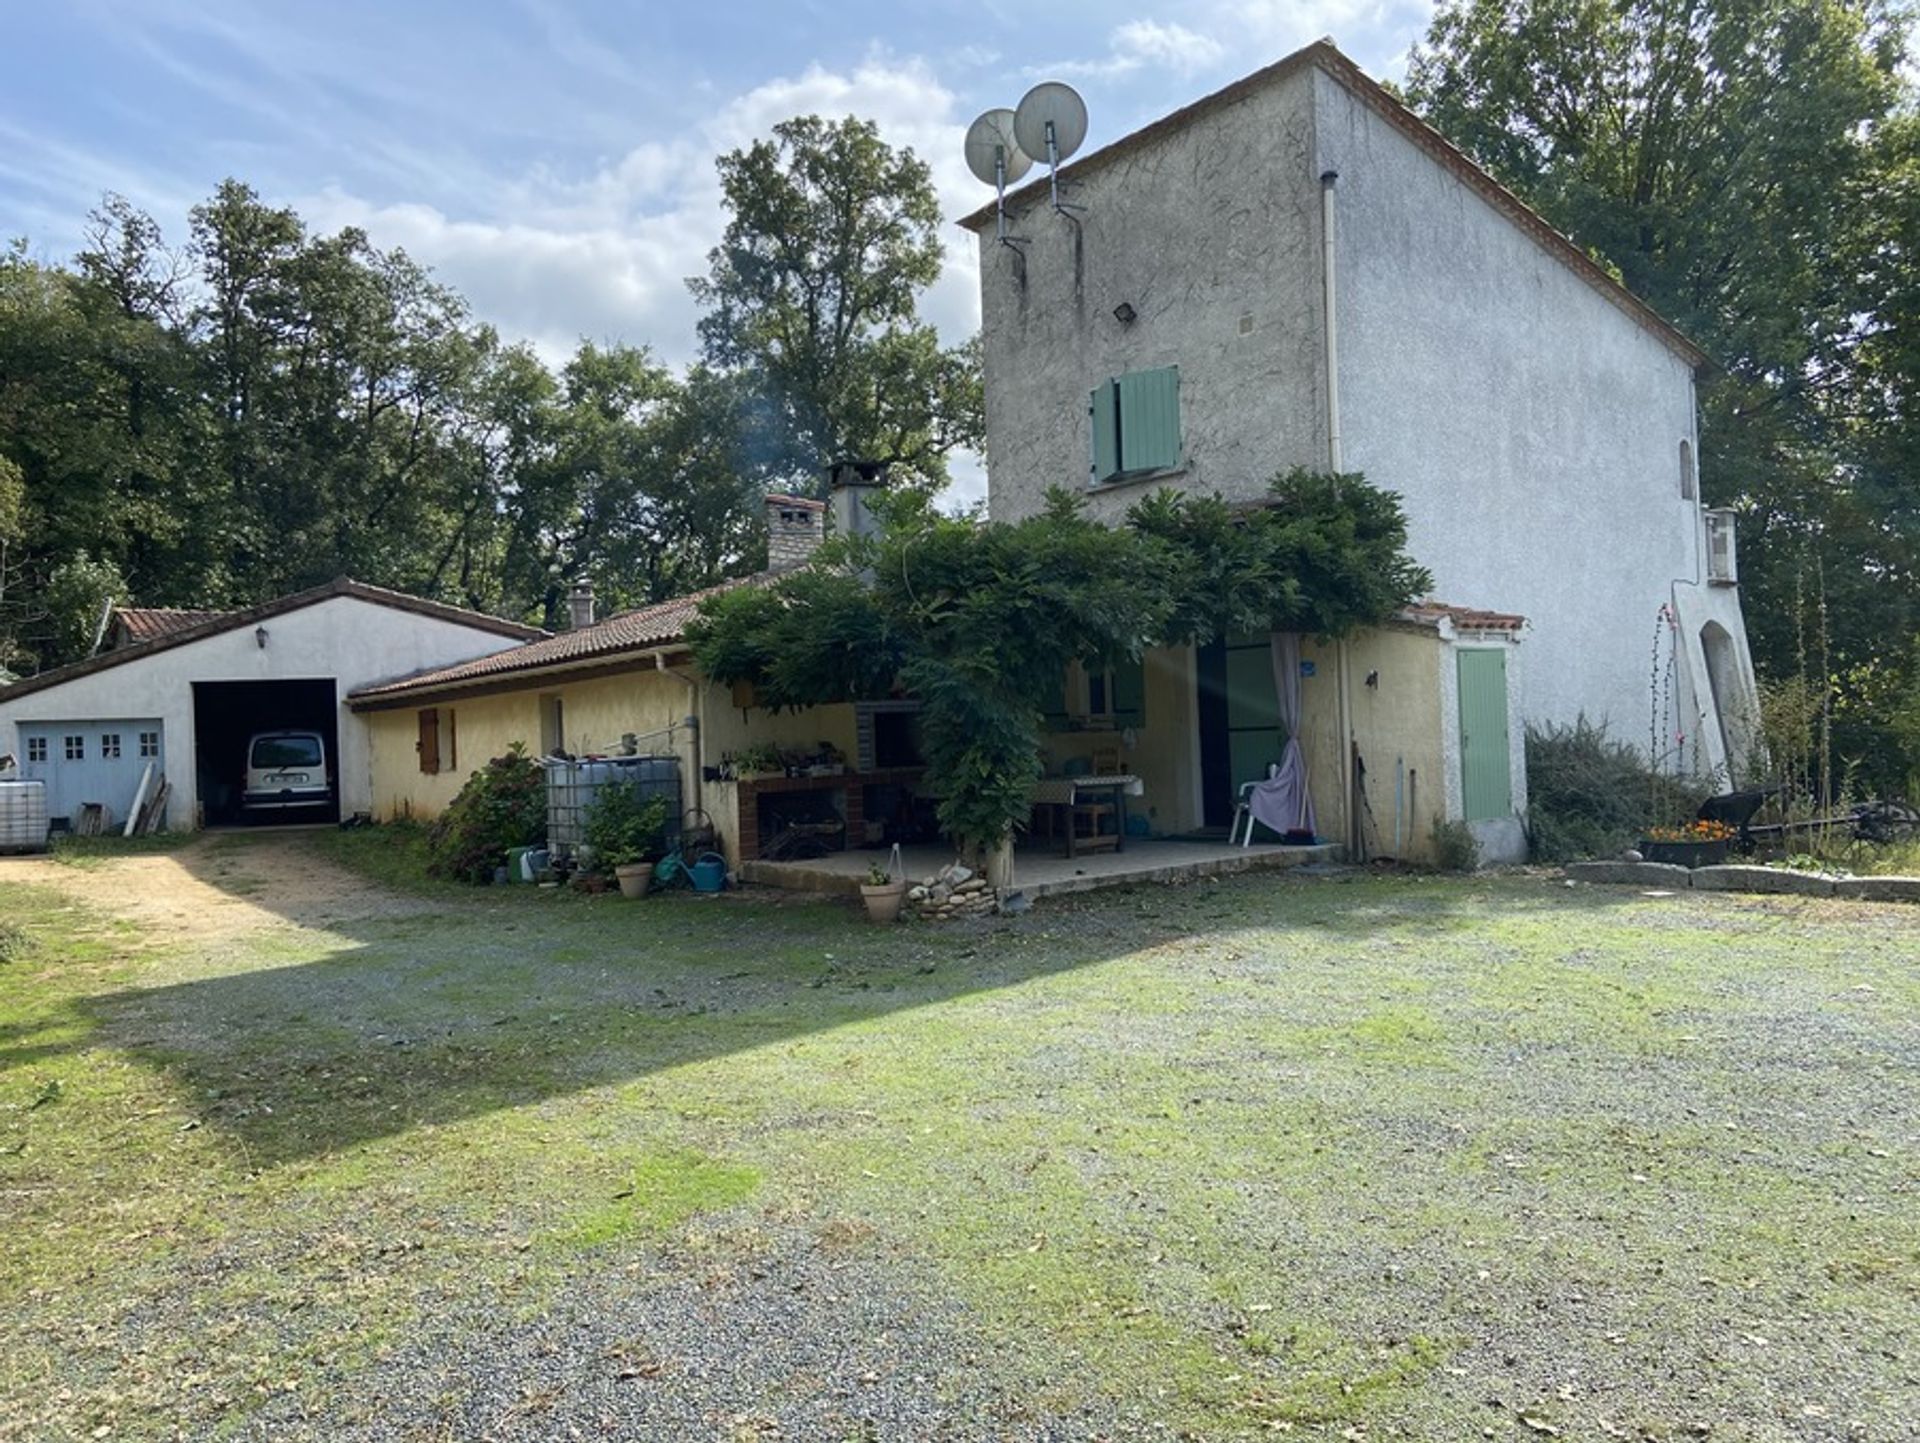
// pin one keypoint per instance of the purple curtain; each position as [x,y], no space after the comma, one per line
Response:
[1282,802]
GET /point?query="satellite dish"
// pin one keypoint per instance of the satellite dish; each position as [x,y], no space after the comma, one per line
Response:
[992,153]
[1051,122]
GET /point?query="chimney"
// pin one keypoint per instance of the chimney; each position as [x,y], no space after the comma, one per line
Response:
[795,526]
[580,605]
[849,485]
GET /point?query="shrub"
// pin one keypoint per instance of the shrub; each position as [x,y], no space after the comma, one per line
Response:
[503,805]
[1591,796]
[624,826]
[1455,848]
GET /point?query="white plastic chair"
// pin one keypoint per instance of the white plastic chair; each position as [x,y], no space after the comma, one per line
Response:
[1242,809]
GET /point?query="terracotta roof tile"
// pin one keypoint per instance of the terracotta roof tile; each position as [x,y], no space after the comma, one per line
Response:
[1465,618]
[145,623]
[643,629]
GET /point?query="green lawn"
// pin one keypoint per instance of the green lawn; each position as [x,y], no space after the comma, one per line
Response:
[1362,1157]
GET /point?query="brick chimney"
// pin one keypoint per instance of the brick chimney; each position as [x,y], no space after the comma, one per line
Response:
[580,605]
[795,526]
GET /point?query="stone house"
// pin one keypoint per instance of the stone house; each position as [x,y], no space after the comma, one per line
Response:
[1298,271]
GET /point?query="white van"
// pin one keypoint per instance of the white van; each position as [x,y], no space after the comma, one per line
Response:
[286,770]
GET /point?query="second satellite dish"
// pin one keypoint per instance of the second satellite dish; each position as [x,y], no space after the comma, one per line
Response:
[1050,111]
[993,155]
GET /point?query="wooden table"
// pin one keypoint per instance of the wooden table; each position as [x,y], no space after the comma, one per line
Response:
[1069,792]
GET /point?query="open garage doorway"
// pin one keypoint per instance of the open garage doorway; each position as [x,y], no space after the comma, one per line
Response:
[227,715]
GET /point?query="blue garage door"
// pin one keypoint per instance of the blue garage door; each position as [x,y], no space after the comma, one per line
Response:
[94,761]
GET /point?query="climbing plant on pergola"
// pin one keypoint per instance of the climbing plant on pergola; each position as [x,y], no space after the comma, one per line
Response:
[979,621]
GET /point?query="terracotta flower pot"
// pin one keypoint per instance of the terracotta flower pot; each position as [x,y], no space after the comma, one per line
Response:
[634,879]
[884,901]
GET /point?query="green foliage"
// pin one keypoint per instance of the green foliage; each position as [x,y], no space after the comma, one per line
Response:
[1455,848]
[623,826]
[1589,795]
[979,621]
[502,805]
[1752,169]
[831,236]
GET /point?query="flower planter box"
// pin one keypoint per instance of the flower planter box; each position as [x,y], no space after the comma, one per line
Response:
[1686,854]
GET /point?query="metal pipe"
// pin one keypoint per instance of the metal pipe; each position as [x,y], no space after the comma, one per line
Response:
[1331,329]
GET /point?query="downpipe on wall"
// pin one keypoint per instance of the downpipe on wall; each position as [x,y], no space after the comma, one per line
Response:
[1330,333]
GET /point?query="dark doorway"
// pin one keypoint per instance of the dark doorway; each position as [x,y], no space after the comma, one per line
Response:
[1240,731]
[227,714]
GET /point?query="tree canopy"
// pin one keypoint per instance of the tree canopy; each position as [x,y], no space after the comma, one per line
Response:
[979,621]
[265,407]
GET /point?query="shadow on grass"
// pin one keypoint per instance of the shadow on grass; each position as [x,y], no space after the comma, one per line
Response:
[467,1005]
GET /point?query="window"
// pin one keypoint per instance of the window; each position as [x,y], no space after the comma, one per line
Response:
[1099,698]
[277,754]
[553,725]
[36,749]
[76,749]
[1689,479]
[109,746]
[1136,424]
[149,744]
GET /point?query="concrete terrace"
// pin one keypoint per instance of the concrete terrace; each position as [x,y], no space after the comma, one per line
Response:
[1046,874]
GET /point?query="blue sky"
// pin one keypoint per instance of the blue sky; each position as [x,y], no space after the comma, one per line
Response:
[553,159]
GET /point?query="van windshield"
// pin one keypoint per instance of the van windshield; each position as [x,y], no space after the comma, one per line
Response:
[278,753]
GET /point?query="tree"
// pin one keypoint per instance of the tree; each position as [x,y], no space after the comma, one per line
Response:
[979,621]
[832,235]
[1747,167]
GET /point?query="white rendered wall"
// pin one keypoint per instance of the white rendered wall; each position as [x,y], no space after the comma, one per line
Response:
[355,642]
[1531,427]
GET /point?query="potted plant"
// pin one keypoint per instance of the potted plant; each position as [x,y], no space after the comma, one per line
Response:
[1693,844]
[883,894]
[625,831]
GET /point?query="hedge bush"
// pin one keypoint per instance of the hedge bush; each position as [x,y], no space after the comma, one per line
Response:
[1591,796]
[503,805]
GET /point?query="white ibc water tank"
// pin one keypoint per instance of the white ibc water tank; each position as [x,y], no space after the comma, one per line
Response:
[23,816]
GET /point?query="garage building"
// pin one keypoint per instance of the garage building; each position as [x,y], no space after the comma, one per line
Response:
[183,691]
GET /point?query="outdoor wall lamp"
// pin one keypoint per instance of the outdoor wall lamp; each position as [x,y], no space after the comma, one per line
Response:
[260,637]
[1124,313]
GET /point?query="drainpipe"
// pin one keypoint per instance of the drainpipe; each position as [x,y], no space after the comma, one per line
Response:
[1330,332]
[692,721]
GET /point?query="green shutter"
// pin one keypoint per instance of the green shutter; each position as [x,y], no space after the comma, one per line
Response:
[1486,781]
[1149,420]
[1129,694]
[1106,432]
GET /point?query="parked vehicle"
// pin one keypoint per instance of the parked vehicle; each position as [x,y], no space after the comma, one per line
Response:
[285,770]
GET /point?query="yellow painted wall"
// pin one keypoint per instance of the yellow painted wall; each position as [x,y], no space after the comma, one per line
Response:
[1165,745]
[1396,721]
[596,714]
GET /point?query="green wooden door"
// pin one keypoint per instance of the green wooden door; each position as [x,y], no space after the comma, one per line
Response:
[1486,777]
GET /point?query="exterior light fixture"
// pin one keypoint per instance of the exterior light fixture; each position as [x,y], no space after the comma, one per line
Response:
[1124,313]
[260,637]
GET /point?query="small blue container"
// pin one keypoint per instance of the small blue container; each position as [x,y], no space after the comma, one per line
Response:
[709,874]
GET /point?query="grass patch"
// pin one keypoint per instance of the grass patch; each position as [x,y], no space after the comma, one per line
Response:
[91,852]
[661,1193]
[1346,1155]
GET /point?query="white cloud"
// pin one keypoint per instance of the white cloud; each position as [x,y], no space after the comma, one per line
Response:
[605,255]
[1183,51]
[1142,44]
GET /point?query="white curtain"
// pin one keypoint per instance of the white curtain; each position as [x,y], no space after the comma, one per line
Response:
[1282,802]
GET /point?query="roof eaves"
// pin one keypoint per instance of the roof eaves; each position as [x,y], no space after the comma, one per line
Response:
[266,611]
